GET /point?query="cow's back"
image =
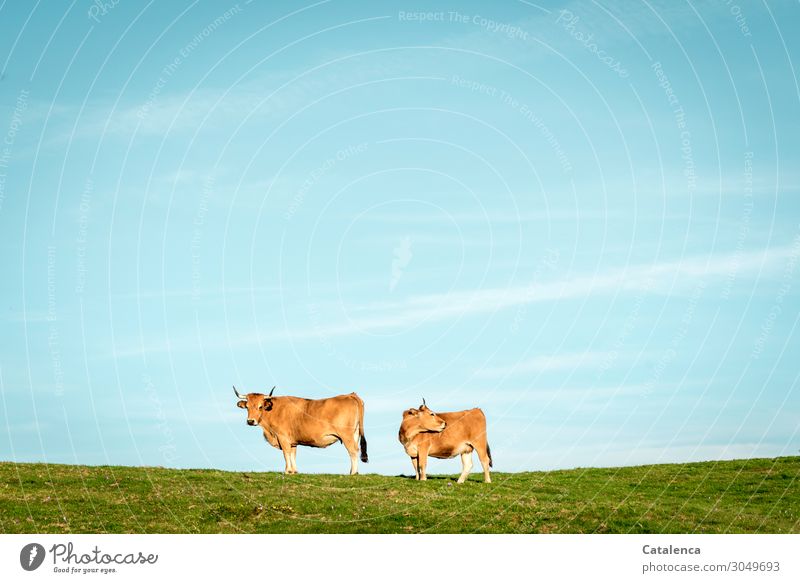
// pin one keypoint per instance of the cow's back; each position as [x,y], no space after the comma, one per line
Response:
[310,418]
[464,429]
[341,410]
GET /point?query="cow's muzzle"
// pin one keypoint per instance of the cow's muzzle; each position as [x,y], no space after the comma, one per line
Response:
[251,421]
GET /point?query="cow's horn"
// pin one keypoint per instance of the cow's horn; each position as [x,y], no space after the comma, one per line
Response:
[237,393]
[423,402]
[270,393]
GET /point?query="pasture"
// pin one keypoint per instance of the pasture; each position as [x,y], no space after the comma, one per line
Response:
[741,496]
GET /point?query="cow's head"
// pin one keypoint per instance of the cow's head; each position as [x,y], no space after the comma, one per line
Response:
[422,420]
[255,403]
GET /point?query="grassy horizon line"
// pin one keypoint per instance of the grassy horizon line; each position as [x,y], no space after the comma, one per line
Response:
[757,495]
[398,475]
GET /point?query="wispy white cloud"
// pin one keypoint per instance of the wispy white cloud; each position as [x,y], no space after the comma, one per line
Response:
[547,363]
[274,96]
[668,277]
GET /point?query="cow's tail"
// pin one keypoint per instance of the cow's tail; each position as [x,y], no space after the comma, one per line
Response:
[363,442]
[489,453]
[364,456]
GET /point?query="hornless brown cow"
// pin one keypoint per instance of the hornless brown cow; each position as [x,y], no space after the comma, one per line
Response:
[291,421]
[424,433]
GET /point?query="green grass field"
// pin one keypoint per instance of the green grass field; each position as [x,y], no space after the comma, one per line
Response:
[758,495]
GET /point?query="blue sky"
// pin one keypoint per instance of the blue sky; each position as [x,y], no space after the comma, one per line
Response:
[581,217]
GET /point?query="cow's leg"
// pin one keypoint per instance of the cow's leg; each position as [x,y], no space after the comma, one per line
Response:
[293,458]
[353,462]
[422,460]
[466,466]
[354,451]
[351,445]
[483,455]
[416,468]
[286,448]
[287,457]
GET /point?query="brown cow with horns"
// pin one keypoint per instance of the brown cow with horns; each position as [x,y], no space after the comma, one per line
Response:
[291,421]
[424,433]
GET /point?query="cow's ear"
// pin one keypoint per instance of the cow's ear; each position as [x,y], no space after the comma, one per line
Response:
[268,404]
[242,404]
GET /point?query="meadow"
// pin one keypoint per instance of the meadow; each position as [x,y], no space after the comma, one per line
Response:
[740,496]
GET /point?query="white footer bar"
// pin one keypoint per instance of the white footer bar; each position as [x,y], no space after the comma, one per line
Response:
[418,558]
